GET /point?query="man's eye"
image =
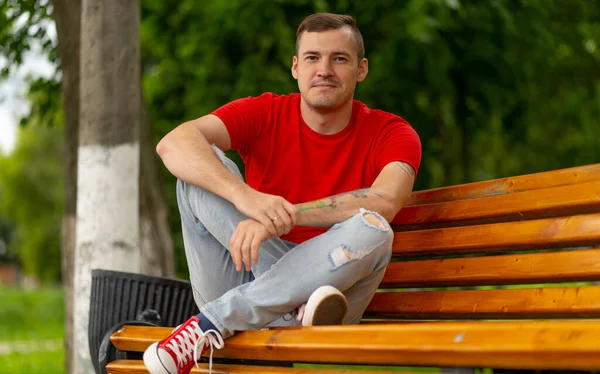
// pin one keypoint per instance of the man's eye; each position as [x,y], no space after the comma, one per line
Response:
[311,58]
[340,58]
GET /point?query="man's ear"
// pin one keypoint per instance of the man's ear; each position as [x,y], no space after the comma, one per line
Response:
[295,67]
[363,69]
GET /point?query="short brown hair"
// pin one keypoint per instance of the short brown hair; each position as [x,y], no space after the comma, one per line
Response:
[328,21]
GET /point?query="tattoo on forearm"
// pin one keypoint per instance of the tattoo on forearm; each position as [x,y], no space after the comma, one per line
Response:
[362,193]
[406,167]
[333,201]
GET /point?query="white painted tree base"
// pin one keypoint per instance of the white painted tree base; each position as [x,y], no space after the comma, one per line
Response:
[107,233]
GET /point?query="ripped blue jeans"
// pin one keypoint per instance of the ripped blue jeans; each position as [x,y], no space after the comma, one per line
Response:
[351,256]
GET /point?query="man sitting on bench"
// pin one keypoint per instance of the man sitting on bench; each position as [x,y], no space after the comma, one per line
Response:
[307,234]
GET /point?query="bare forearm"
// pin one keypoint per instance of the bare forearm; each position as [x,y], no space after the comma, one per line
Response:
[334,209]
[188,156]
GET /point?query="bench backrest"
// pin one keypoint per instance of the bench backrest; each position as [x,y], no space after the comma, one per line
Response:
[519,247]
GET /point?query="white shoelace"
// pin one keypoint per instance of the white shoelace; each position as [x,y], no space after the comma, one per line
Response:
[192,339]
[213,339]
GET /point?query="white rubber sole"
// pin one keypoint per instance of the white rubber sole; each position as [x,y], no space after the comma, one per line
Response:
[326,306]
[153,362]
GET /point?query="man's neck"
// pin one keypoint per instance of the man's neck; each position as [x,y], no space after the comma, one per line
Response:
[326,122]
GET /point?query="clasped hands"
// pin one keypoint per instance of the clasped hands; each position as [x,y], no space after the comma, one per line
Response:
[269,216]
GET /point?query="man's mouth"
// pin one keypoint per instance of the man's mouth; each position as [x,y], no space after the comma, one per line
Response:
[325,85]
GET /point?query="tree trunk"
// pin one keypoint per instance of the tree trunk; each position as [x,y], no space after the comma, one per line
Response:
[108,213]
[155,237]
[67,18]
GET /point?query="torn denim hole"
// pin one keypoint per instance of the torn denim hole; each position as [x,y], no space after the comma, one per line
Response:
[382,226]
[343,254]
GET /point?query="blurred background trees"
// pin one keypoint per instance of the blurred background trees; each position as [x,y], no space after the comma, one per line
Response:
[494,88]
[32,187]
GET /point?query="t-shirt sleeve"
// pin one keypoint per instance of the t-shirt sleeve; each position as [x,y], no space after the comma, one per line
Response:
[399,142]
[244,119]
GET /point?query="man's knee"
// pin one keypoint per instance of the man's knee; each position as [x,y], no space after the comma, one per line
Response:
[375,220]
[374,235]
[229,164]
[184,190]
[190,199]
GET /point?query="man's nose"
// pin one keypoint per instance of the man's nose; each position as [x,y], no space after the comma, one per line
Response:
[324,69]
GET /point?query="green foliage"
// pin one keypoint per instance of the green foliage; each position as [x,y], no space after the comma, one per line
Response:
[32,192]
[6,230]
[494,88]
[21,26]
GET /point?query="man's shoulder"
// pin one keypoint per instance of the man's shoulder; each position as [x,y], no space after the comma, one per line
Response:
[378,116]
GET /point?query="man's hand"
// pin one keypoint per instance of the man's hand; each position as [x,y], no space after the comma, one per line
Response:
[245,242]
[276,214]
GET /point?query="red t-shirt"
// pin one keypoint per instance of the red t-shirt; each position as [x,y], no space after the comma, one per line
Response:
[285,157]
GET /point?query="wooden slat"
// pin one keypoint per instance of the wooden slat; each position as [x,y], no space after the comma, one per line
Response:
[559,302]
[549,202]
[582,230]
[137,367]
[550,267]
[500,186]
[526,344]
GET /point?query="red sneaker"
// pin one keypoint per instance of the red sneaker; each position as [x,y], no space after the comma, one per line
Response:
[177,353]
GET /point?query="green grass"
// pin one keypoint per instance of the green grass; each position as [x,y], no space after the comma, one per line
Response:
[33,314]
[34,363]
[32,318]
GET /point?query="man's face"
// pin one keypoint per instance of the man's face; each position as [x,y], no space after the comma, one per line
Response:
[327,68]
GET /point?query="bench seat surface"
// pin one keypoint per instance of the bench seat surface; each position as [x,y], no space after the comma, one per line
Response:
[494,274]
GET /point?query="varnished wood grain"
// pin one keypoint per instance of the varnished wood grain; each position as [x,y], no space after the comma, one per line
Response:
[533,204]
[528,201]
[137,367]
[554,178]
[525,344]
[545,267]
[558,302]
[581,230]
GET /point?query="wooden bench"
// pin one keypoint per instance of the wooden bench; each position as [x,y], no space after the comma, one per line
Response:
[494,274]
